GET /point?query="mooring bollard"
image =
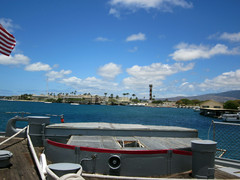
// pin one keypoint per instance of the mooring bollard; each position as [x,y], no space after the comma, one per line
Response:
[203,159]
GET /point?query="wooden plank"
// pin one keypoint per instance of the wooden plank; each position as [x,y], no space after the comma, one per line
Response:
[23,166]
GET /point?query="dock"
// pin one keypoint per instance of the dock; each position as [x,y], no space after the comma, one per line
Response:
[216,113]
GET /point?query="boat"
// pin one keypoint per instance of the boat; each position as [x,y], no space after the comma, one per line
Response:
[231,117]
[109,149]
[74,104]
[121,149]
[196,109]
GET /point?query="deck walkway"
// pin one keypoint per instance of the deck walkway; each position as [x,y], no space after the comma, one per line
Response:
[132,142]
[23,167]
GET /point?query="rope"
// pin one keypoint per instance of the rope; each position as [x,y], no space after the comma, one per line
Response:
[35,156]
[72,176]
[13,135]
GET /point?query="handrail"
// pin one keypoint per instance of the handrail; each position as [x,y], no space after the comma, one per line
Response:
[233,124]
[13,135]
[35,156]
[101,176]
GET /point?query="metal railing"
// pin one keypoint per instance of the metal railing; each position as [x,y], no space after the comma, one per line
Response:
[227,136]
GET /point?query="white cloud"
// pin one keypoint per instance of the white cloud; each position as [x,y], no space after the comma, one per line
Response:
[38,67]
[109,71]
[186,86]
[8,24]
[141,76]
[136,37]
[134,49]
[91,84]
[72,81]
[188,52]
[225,81]
[162,5]
[233,37]
[102,39]
[53,75]
[17,59]
[114,12]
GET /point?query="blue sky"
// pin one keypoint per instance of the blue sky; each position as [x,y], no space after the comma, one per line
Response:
[182,47]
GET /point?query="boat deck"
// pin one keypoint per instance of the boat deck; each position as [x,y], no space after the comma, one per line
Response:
[23,167]
[131,142]
[114,129]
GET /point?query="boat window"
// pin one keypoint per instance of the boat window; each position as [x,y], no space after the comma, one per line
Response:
[124,143]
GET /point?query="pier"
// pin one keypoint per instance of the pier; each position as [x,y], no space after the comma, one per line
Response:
[216,113]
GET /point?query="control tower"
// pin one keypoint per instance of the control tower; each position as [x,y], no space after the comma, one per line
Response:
[150,92]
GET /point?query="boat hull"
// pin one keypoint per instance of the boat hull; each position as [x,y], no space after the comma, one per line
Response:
[144,163]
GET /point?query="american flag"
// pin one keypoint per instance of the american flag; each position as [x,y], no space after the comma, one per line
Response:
[7,41]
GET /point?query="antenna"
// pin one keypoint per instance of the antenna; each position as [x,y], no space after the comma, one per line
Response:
[47,85]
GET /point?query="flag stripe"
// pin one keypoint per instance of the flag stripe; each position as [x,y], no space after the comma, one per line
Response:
[2,41]
[3,36]
[7,41]
[4,30]
[5,49]
[4,52]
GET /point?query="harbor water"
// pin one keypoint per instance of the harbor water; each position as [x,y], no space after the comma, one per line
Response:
[226,136]
[112,114]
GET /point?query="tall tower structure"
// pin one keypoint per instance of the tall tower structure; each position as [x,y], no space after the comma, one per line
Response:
[150,91]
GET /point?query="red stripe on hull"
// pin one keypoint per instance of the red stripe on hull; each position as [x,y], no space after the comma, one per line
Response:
[181,152]
[101,150]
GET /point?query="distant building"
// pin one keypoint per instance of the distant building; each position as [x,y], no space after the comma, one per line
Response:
[214,109]
[169,104]
[211,104]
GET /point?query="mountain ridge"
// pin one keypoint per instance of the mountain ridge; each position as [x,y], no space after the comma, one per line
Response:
[220,97]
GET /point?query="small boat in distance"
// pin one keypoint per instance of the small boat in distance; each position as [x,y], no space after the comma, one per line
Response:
[231,117]
[74,104]
[196,109]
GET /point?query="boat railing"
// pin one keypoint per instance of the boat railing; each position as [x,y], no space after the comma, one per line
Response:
[43,168]
[40,170]
[14,135]
[227,137]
